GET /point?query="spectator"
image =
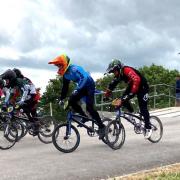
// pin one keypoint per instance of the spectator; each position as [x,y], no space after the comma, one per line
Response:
[178,90]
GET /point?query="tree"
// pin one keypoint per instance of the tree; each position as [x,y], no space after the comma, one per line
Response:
[51,95]
[154,74]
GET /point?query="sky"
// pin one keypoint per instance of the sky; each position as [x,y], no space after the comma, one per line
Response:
[90,32]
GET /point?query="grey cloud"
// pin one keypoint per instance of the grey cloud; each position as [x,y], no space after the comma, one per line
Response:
[5,39]
[140,32]
[24,62]
[29,36]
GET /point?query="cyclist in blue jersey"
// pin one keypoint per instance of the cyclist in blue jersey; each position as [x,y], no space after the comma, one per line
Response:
[85,88]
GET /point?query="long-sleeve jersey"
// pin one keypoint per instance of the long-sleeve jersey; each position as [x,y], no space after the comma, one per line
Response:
[78,75]
[6,92]
[26,87]
[134,80]
[27,90]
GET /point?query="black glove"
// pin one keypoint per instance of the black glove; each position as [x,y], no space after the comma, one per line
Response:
[61,103]
[127,97]
[75,92]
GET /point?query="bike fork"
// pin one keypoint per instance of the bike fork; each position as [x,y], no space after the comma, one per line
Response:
[6,130]
[68,128]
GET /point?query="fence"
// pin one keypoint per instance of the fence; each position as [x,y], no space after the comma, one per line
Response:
[160,96]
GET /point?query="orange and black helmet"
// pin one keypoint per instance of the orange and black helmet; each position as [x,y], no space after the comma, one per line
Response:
[63,62]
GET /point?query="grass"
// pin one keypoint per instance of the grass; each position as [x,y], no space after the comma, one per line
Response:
[170,172]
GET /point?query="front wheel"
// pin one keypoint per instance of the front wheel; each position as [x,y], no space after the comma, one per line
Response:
[105,121]
[8,136]
[115,134]
[63,141]
[157,129]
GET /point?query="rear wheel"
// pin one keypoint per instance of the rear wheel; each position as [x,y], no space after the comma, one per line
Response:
[105,121]
[157,129]
[63,142]
[47,125]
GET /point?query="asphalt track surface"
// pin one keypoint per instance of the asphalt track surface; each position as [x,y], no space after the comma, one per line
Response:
[32,160]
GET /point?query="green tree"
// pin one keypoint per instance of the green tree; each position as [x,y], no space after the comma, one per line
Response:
[51,95]
[154,74]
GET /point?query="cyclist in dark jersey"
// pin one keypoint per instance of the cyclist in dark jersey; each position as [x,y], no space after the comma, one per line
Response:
[85,88]
[137,85]
[27,94]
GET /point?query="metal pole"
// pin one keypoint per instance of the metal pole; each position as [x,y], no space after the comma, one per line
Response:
[175,97]
[154,97]
[169,97]
[95,99]
[50,106]
[101,102]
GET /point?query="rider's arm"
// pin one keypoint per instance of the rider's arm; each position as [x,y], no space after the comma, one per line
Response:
[111,87]
[25,90]
[65,88]
[113,84]
[127,95]
[7,93]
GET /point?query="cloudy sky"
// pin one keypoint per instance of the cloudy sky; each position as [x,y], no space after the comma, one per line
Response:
[90,32]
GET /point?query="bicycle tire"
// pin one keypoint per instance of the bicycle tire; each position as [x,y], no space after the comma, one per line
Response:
[23,125]
[20,128]
[47,127]
[155,128]
[5,136]
[57,133]
[105,121]
[118,131]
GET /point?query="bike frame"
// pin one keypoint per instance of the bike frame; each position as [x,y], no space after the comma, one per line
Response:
[119,114]
[74,117]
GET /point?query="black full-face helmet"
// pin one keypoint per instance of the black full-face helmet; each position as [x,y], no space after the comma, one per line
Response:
[18,73]
[114,65]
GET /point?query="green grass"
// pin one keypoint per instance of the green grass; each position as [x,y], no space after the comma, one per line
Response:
[169,172]
[164,176]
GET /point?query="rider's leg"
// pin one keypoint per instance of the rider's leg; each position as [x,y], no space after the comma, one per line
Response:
[26,110]
[90,90]
[32,114]
[31,108]
[143,102]
[128,106]
[73,101]
[93,113]
[143,99]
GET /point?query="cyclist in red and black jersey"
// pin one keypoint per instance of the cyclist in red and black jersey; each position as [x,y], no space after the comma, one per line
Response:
[137,85]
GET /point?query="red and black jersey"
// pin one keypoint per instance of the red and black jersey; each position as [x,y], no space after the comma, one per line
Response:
[136,82]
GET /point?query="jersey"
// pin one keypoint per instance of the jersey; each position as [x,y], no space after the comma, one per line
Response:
[78,75]
[136,82]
